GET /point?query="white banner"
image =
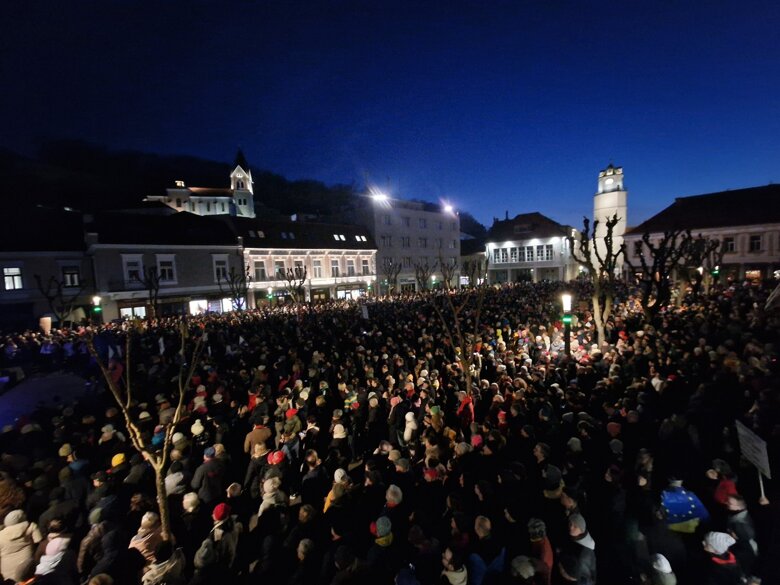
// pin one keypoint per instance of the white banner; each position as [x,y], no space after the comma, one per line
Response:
[753,449]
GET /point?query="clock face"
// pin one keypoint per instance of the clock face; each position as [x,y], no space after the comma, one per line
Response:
[609,181]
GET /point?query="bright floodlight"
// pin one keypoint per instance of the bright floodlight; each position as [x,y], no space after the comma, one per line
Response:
[377,195]
[96,300]
[449,208]
[566,300]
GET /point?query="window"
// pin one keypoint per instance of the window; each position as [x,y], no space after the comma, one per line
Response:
[422,242]
[334,268]
[279,269]
[208,207]
[71,276]
[386,241]
[729,245]
[222,207]
[439,225]
[406,221]
[317,268]
[521,254]
[133,268]
[260,273]
[638,248]
[548,252]
[529,253]
[12,278]
[539,253]
[423,223]
[454,226]
[453,244]
[405,241]
[166,267]
[437,243]
[350,267]
[496,255]
[513,254]
[386,220]
[220,267]
[336,237]
[407,261]
[504,256]
[178,202]
[365,267]
[387,262]
[755,243]
[284,235]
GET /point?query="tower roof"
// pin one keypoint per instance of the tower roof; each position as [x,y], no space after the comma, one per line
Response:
[241,160]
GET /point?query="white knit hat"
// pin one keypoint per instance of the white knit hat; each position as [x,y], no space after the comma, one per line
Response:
[718,542]
[197,428]
[661,564]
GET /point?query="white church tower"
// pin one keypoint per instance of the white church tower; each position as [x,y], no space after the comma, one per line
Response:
[611,198]
[241,185]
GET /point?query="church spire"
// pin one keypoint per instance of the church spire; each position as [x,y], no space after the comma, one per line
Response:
[241,160]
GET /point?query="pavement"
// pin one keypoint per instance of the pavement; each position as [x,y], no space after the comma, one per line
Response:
[53,389]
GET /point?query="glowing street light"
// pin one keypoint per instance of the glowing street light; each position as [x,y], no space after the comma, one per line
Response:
[566,302]
[449,208]
[96,300]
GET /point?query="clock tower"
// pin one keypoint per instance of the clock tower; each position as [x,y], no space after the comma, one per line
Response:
[611,198]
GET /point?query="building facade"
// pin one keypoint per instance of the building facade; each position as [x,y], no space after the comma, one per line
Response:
[529,247]
[45,271]
[409,233]
[745,221]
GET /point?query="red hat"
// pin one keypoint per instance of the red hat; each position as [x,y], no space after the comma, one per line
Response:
[275,457]
[221,512]
[291,412]
[431,474]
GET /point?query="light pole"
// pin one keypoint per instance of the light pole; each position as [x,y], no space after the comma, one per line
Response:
[566,301]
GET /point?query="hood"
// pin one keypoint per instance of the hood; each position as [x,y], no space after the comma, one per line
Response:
[457,577]
[587,541]
[14,531]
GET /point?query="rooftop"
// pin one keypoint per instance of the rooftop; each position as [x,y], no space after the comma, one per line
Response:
[525,226]
[740,207]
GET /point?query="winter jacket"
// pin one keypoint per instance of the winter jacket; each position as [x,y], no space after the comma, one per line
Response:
[170,572]
[584,549]
[145,541]
[723,570]
[90,549]
[208,481]
[17,548]
[486,560]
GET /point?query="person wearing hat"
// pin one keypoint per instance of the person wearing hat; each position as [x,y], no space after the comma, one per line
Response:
[168,566]
[662,573]
[721,566]
[384,556]
[208,480]
[582,548]
[225,534]
[147,538]
[18,540]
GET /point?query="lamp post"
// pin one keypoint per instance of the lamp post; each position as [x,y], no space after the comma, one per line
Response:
[566,301]
[97,309]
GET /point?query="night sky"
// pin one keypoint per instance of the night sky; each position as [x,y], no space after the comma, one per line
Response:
[493,105]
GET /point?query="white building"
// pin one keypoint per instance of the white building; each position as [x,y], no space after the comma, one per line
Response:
[746,221]
[529,247]
[408,233]
[610,199]
[238,200]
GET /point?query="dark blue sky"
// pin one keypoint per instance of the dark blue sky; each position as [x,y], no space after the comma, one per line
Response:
[494,105]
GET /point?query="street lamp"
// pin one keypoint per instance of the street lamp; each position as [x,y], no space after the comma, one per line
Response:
[566,302]
[448,208]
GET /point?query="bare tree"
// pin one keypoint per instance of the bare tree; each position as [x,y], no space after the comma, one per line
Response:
[702,257]
[123,395]
[601,266]
[658,263]
[295,279]
[150,279]
[237,284]
[459,313]
[390,272]
[476,270]
[61,298]
[449,271]
[423,272]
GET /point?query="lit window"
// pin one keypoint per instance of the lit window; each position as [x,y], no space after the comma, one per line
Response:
[504,256]
[279,269]
[71,276]
[336,237]
[529,253]
[334,268]
[220,269]
[317,267]
[365,267]
[166,268]
[12,278]
[548,252]
[513,254]
[133,266]
[350,267]
[260,273]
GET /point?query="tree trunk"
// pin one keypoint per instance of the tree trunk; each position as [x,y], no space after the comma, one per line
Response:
[596,302]
[162,501]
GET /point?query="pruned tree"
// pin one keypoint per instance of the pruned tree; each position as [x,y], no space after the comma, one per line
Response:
[601,265]
[62,299]
[122,392]
[236,284]
[658,263]
[150,279]
[295,279]
[449,271]
[423,272]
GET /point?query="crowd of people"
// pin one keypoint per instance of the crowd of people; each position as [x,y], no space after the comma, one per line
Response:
[314,445]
